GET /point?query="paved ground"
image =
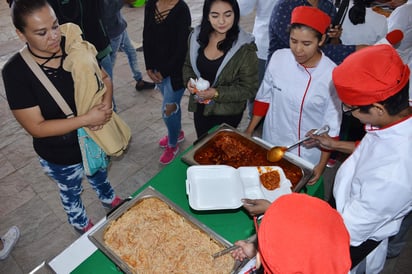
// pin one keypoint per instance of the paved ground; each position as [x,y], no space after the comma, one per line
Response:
[30,199]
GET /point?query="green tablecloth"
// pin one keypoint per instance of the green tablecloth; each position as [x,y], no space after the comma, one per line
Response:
[171,181]
[233,225]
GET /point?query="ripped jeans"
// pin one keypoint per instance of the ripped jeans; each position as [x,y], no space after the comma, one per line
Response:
[69,180]
[173,121]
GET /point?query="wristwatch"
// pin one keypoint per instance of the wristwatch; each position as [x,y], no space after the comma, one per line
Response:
[216,94]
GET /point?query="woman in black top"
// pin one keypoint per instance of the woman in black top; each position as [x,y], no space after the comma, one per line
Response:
[165,32]
[54,136]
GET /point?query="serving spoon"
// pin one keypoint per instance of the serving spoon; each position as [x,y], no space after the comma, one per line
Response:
[276,153]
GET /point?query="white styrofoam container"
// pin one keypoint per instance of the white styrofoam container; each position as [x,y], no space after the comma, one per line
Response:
[212,187]
[215,187]
[253,187]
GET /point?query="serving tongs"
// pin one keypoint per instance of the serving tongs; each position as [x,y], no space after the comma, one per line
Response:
[225,251]
[233,247]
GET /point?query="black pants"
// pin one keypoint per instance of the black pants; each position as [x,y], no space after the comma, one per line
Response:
[204,123]
[358,253]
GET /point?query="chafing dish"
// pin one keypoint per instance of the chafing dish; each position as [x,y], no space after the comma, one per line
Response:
[291,162]
[97,236]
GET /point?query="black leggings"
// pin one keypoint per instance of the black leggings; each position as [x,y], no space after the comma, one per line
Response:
[204,123]
[358,253]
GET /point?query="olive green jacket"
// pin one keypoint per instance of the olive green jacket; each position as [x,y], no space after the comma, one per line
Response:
[236,79]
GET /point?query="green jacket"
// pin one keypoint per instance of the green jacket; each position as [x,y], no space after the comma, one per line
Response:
[236,79]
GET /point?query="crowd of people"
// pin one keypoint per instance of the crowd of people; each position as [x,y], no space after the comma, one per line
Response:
[296,72]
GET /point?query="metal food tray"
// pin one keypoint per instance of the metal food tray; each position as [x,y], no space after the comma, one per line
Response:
[307,169]
[43,268]
[97,235]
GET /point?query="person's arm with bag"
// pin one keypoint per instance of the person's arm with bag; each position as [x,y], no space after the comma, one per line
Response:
[34,123]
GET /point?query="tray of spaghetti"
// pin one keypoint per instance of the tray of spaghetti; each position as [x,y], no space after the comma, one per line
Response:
[151,234]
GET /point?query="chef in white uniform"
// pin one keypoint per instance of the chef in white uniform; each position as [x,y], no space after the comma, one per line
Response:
[372,187]
[401,18]
[297,94]
[373,28]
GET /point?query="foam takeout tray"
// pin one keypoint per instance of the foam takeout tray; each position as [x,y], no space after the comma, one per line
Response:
[217,187]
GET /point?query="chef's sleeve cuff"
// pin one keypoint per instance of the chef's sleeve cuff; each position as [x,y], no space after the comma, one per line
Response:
[260,108]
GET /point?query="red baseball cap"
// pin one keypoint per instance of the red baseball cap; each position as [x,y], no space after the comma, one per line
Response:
[303,234]
[311,17]
[370,75]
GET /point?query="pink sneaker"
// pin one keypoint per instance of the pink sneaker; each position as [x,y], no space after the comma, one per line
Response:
[164,142]
[169,154]
[117,201]
[85,229]
[331,163]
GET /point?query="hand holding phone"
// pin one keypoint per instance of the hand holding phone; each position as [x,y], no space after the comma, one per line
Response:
[335,31]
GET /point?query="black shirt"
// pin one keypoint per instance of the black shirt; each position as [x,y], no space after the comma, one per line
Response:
[165,42]
[24,90]
[208,68]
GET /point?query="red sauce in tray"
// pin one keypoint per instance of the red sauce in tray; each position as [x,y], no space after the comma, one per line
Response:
[230,148]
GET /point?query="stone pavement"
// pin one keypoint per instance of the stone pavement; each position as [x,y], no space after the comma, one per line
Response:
[30,199]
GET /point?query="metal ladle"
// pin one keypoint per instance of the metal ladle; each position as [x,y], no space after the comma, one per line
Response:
[276,153]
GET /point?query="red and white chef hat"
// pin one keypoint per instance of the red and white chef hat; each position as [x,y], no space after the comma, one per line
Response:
[370,75]
[311,17]
[303,234]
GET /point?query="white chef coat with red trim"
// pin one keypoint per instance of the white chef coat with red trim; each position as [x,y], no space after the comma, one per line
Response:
[300,99]
[373,189]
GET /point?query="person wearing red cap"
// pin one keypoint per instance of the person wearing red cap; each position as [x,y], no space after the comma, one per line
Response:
[300,234]
[372,187]
[297,94]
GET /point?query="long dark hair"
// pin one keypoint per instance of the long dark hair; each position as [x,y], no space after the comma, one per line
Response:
[357,12]
[206,28]
[20,9]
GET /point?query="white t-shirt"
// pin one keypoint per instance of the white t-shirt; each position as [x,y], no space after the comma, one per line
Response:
[261,26]
[368,33]
[401,18]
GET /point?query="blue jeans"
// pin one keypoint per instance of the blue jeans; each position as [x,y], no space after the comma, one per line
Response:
[174,120]
[123,41]
[69,180]
[106,64]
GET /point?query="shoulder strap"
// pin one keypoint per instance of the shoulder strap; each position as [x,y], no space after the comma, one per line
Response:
[340,15]
[28,58]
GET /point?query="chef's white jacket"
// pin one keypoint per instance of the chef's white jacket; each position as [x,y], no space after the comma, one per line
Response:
[401,18]
[299,100]
[368,33]
[373,188]
[410,82]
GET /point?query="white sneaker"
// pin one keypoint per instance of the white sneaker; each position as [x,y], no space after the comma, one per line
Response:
[9,240]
